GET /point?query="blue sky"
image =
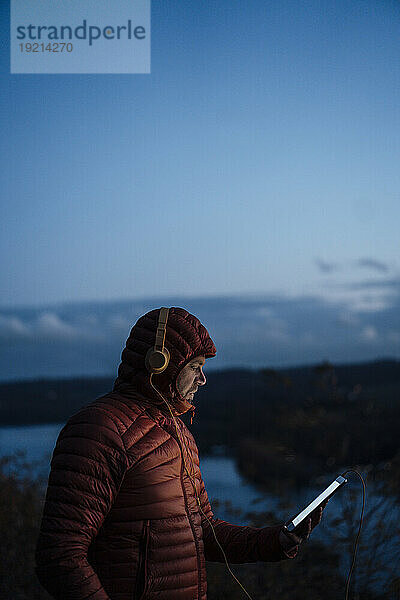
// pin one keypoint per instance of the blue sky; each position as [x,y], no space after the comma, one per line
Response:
[260,156]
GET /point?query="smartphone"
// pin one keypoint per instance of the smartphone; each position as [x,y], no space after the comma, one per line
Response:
[327,493]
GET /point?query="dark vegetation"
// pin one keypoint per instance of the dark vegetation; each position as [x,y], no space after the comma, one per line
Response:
[20,512]
[314,574]
[290,427]
[48,400]
[285,428]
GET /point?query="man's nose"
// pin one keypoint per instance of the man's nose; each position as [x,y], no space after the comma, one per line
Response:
[201,379]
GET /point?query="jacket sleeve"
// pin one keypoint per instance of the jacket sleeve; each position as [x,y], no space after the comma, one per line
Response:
[241,544]
[87,469]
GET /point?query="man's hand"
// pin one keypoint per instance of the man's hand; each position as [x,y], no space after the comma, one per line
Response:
[289,540]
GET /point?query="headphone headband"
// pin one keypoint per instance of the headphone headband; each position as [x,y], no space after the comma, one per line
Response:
[161,329]
[157,357]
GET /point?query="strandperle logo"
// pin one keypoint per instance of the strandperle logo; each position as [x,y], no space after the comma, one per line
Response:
[71,36]
[87,32]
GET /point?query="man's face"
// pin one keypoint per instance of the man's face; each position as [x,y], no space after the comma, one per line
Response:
[190,378]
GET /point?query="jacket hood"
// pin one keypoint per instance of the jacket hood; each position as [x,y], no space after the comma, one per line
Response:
[185,339]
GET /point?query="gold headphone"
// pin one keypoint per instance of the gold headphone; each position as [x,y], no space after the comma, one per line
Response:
[157,358]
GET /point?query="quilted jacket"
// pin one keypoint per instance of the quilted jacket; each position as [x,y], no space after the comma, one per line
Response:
[121,519]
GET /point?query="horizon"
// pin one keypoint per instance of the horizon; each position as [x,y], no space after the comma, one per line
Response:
[300,367]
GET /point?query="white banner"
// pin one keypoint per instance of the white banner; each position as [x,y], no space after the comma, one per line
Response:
[71,36]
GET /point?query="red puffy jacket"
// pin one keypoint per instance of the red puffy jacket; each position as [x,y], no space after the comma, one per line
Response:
[121,519]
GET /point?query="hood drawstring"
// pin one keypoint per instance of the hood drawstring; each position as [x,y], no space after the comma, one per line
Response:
[193,409]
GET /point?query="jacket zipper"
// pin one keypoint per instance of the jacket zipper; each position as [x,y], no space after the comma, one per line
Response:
[191,526]
[179,441]
[141,576]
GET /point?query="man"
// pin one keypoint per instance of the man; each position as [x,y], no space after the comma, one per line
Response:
[126,514]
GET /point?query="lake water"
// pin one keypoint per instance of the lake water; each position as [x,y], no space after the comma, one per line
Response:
[232,497]
[222,479]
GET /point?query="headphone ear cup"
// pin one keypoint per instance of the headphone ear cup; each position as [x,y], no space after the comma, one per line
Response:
[157,361]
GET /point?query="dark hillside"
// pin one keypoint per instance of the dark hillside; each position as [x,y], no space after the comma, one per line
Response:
[47,400]
[53,400]
[289,425]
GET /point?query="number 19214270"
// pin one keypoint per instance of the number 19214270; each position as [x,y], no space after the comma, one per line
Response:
[50,47]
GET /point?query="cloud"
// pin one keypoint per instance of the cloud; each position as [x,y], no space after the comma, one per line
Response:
[384,284]
[363,263]
[12,327]
[269,330]
[326,267]
[46,326]
[394,336]
[348,319]
[369,333]
[120,323]
[373,264]
[370,295]
[49,325]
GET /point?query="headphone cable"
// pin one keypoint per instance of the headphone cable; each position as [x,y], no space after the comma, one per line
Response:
[359,530]
[209,522]
[193,482]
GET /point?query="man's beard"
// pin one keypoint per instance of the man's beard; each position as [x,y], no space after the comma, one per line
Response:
[182,406]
